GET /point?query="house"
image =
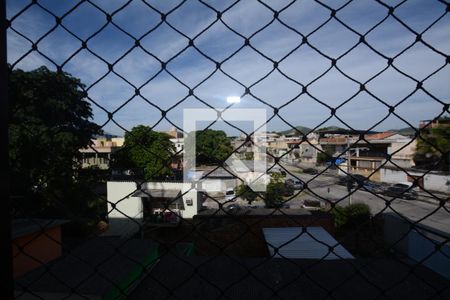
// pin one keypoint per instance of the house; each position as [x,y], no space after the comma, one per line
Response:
[159,204]
[174,133]
[304,151]
[368,154]
[99,153]
[367,157]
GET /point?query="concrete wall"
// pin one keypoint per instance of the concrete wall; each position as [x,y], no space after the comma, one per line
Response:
[392,176]
[125,219]
[432,182]
[437,182]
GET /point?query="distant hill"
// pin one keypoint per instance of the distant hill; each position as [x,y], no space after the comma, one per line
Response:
[404,131]
[328,128]
[291,131]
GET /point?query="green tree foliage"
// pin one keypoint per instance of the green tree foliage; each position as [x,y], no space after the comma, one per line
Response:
[274,191]
[429,153]
[49,122]
[351,216]
[327,154]
[212,146]
[148,150]
[245,192]
[249,156]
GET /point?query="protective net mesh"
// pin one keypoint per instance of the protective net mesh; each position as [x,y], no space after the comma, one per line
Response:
[359,64]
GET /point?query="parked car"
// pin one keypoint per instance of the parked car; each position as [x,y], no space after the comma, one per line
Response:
[282,205]
[296,184]
[356,179]
[311,171]
[372,187]
[230,195]
[405,185]
[311,204]
[277,205]
[288,190]
[402,191]
[233,208]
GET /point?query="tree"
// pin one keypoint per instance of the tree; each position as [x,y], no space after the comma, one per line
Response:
[429,152]
[148,150]
[211,146]
[49,123]
[352,216]
[274,191]
[246,192]
[325,155]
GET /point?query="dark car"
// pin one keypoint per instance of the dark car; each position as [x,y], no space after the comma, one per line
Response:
[288,190]
[356,179]
[311,171]
[401,191]
[279,205]
[233,208]
[372,187]
[296,184]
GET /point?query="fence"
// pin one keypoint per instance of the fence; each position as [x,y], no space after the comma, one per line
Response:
[362,65]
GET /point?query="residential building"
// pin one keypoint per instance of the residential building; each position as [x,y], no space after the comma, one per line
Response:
[174,133]
[304,152]
[430,124]
[158,204]
[99,153]
[366,156]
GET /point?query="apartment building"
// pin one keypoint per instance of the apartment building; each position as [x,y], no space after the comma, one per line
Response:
[367,156]
[99,153]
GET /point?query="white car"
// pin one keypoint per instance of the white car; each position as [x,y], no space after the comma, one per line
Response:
[230,195]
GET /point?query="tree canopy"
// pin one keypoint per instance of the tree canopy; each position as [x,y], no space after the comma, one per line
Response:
[49,122]
[275,190]
[430,149]
[212,146]
[148,150]
[245,192]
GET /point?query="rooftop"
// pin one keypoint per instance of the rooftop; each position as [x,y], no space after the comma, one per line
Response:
[157,193]
[21,227]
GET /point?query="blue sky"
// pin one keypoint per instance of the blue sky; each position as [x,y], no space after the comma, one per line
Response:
[247,66]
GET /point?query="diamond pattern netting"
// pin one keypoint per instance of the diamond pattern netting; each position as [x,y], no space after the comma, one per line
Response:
[247,41]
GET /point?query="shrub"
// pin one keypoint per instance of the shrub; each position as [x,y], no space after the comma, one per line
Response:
[351,216]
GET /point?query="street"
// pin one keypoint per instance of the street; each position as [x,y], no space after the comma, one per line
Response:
[424,210]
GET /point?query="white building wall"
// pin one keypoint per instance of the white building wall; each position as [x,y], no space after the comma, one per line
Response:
[125,213]
[392,176]
[432,182]
[437,182]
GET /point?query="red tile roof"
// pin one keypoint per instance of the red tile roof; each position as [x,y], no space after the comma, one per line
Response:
[380,136]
